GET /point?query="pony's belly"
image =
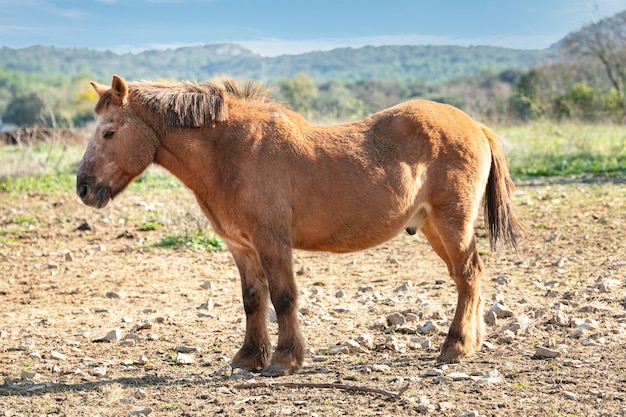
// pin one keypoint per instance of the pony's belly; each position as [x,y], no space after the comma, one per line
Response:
[349,239]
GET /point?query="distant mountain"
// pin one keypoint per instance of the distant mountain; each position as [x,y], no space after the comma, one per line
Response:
[426,63]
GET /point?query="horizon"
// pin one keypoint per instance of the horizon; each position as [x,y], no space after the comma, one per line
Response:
[284,28]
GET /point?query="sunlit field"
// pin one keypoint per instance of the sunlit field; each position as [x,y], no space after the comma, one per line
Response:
[534,150]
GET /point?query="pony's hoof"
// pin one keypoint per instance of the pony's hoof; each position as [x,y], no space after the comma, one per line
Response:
[276,369]
[449,357]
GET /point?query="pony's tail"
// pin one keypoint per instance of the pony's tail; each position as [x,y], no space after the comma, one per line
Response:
[503,224]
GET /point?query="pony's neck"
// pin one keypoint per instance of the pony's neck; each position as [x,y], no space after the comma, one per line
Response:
[185,153]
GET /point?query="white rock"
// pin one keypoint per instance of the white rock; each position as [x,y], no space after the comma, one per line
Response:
[336,350]
[492,377]
[113,336]
[354,346]
[99,371]
[57,355]
[560,318]
[140,394]
[366,340]
[346,308]
[422,342]
[184,359]
[570,395]
[506,336]
[30,376]
[381,368]
[424,405]
[458,376]
[501,311]
[470,414]
[430,327]
[491,318]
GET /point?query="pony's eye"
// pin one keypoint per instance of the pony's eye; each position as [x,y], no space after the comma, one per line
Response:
[108,134]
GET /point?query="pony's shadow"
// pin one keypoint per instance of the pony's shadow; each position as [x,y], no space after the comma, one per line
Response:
[10,389]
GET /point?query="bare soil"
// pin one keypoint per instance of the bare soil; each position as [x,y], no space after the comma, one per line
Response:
[63,288]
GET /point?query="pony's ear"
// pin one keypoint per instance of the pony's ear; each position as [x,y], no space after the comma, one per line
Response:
[119,91]
[100,89]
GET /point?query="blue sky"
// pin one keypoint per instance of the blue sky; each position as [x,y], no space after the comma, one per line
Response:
[274,27]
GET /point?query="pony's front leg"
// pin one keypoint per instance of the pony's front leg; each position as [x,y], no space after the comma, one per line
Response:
[255,353]
[277,265]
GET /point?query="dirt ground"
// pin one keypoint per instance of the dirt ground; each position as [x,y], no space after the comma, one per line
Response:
[174,317]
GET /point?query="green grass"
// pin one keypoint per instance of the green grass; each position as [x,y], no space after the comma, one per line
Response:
[194,240]
[562,149]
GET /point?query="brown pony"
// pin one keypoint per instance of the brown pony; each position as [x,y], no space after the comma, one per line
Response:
[268,181]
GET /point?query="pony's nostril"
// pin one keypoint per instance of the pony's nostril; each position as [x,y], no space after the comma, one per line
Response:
[83,191]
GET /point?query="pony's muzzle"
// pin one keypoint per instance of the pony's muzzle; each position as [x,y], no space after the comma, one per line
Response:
[98,197]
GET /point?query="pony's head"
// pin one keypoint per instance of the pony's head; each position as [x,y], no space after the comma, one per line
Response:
[121,148]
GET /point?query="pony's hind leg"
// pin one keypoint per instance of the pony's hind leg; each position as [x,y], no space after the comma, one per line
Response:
[456,245]
[255,352]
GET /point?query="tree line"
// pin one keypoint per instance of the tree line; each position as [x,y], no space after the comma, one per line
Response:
[587,82]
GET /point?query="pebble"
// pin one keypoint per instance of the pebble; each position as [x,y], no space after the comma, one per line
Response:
[188,349]
[142,412]
[470,414]
[424,405]
[434,372]
[506,336]
[366,340]
[404,289]
[99,371]
[544,352]
[340,294]
[395,319]
[458,376]
[141,326]
[381,368]
[140,394]
[207,285]
[30,376]
[184,359]
[422,342]
[57,355]
[113,336]
[491,318]
[430,327]
[239,373]
[570,395]
[492,377]
[501,311]
[354,346]
[336,350]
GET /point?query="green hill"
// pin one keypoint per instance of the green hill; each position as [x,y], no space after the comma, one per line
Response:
[428,64]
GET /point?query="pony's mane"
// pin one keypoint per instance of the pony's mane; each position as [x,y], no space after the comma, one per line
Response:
[188,104]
